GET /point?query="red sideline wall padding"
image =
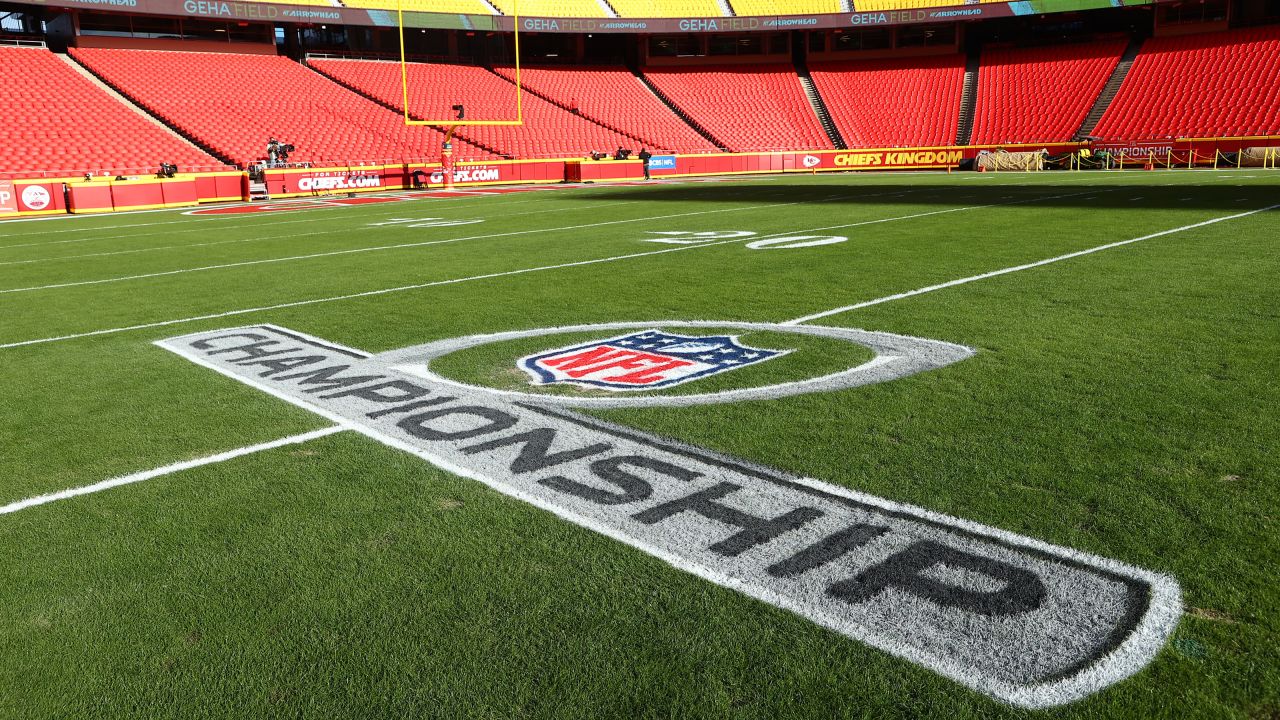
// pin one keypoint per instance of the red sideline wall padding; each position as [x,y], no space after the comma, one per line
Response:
[40,197]
[180,192]
[505,172]
[137,194]
[90,197]
[8,199]
[222,186]
[302,182]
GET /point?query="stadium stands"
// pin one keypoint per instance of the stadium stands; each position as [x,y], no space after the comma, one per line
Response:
[897,102]
[549,130]
[1040,94]
[63,123]
[1222,84]
[469,7]
[786,7]
[616,98]
[552,8]
[234,103]
[883,5]
[756,107]
[667,8]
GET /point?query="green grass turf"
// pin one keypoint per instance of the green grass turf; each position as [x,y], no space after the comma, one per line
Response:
[1123,403]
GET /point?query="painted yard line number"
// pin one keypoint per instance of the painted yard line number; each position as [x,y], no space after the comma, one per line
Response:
[683,237]
[666,237]
[1026,622]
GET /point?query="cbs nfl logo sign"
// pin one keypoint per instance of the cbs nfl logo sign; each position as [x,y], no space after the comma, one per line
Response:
[643,361]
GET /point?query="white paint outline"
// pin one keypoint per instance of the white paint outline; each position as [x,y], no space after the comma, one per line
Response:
[420,358]
[168,469]
[1131,656]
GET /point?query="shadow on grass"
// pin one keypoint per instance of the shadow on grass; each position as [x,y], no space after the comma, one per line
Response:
[1132,194]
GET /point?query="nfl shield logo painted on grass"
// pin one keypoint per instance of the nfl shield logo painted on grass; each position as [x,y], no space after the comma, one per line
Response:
[643,360]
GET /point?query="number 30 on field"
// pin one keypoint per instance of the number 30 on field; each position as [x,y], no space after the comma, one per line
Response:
[684,237]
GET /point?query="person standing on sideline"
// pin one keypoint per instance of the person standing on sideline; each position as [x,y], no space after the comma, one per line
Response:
[644,160]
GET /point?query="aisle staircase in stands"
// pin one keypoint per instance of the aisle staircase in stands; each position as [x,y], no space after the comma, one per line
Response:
[676,109]
[819,106]
[969,98]
[138,109]
[1109,90]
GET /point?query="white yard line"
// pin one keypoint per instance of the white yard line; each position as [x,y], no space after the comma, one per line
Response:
[269,219]
[380,248]
[168,469]
[269,238]
[408,195]
[1018,268]
[304,437]
[451,281]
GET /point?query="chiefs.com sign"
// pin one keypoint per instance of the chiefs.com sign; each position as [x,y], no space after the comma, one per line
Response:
[297,182]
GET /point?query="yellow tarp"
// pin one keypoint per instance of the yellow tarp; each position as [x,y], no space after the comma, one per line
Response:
[1001,160]
[1260,157]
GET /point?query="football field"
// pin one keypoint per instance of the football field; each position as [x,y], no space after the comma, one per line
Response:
[841,446]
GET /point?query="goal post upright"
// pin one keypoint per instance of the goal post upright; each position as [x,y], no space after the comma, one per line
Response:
[446,149]
[404,81]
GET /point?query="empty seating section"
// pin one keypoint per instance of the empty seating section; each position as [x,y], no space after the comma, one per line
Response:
[879,5]
[548,130]
[667,8]
[1040,94]
[616,98]
[785,7]
[552,8]
[234,103]
[58,121]
[755,107]
[897,102]
[468,7]
[1222,84]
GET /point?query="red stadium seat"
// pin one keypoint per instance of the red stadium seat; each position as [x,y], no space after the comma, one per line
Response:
[548,131]
[746,107]
[906,102]
[1217,85]
[234,103]
[1042,94]
[61,123]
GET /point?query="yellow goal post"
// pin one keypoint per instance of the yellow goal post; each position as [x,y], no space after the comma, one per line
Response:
[452,123]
